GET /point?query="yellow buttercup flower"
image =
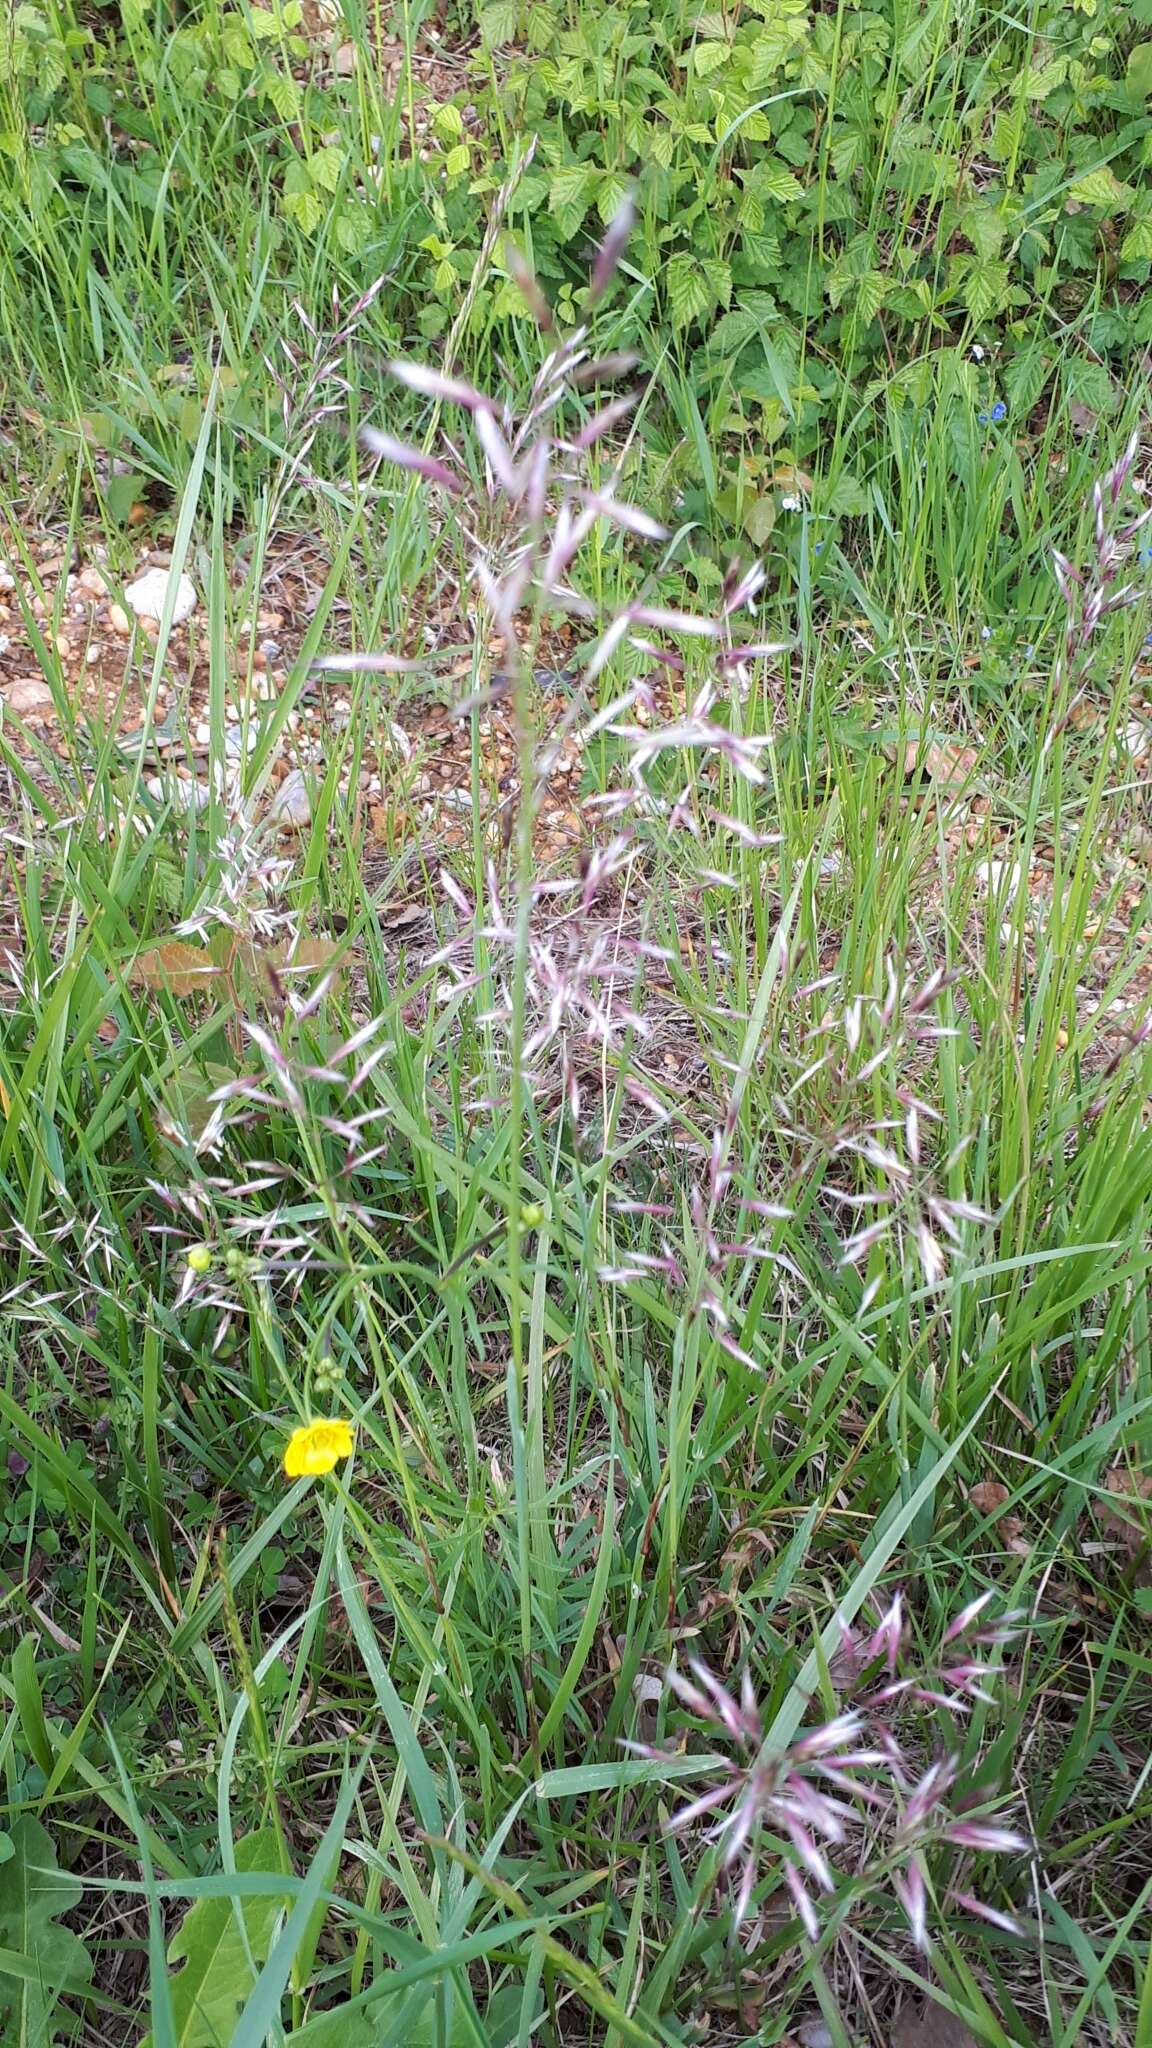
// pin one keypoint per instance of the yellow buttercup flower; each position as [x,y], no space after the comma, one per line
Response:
[316,1447]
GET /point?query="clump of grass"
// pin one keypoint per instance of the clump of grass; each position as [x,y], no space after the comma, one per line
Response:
[696,1248]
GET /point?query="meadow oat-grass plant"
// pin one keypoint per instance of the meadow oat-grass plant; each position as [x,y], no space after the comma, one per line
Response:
[577,1423]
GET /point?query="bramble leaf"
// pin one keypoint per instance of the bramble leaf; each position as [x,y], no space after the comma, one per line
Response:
[219,1955]
[34,1893]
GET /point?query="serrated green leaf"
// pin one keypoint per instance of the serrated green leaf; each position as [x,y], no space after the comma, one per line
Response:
[848,497]
[985,227]
[732,331]
[569,197]
[1046,79]
[498,22]
[327,166]
[984,289]
[1025,376]
[282,94]
[305,209]
[34,1894]
[910,301]
[776,181]
[759,519]
[869,295]
[751,214]
[719,278]
[847,152]
[694,287]
[708,57]
[1102,187]
[217,1977]
[610,197]
[236,45]
[353,229]
[1137,244]
[448,122]
[1089,382]
[1139,71]
[263,24]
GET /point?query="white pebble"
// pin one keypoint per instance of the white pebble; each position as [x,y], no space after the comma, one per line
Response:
[998,875]
[292,803]
[26,694]
[148,595]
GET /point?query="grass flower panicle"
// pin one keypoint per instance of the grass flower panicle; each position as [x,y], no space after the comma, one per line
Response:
[850,1778]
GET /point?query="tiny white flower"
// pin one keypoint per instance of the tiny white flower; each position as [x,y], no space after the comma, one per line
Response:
[790,502]
[977,353]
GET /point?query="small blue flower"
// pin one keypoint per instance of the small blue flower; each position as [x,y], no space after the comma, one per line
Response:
[985,632]
[999,411]
[820,551]
[1145,555]
[982,419]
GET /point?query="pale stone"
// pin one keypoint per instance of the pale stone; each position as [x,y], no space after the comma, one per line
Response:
[292,803]
[26,694]
[147,596]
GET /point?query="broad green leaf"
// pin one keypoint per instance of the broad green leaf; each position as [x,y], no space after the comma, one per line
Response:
[1140,70]
[870,294]
[1137,244]
[708,57]
[327,166]
[365,2027]
[353,229]
[985,227]
[1088,380]
[340,2028]
[498,23]
[448,122]
[610,198]
[849,499]
[211,1990]
[569,196]
[688,296]
[776,181]
[733,330]
[1046,79]
[984,289]
[283,94]
[1025,376]
[695,286]
[1102,187]
[847,152]
[34,1894]
[759,519]
[306,210]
